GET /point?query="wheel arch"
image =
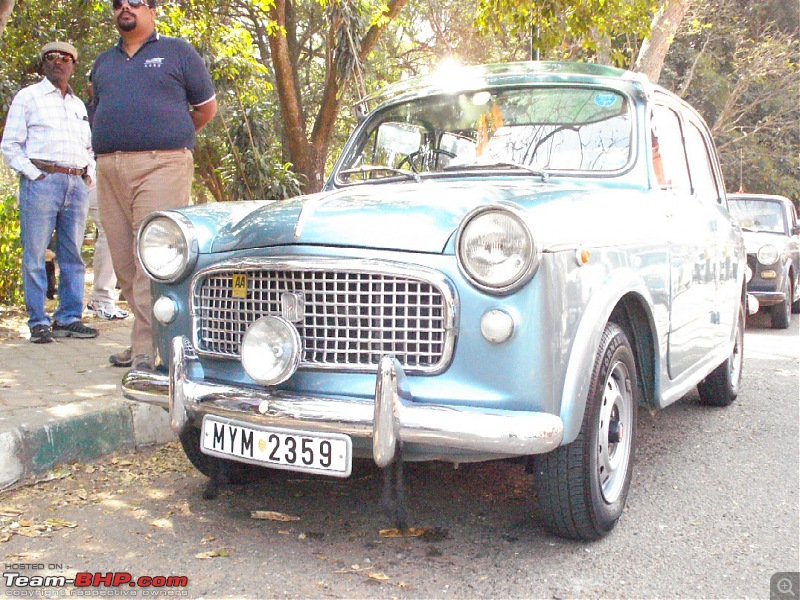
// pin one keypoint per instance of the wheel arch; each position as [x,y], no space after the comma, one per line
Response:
[630,310]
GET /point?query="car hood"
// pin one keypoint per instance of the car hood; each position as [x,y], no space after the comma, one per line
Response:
[753,240]
[412,217]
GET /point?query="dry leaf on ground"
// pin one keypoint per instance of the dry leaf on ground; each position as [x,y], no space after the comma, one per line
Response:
[396,533]
[211,554]
[60,523]
[271,515]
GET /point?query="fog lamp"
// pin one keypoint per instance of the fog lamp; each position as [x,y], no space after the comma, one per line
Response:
[271,350]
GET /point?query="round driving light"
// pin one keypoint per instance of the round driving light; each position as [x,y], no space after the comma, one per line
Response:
[768,254]
[497,326]
[271,350]
[163,248]
[165,310]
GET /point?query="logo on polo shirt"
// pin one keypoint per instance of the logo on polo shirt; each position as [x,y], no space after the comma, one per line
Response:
[153,63]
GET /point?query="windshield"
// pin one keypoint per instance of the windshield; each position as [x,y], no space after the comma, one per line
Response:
[759,215]
[544,129]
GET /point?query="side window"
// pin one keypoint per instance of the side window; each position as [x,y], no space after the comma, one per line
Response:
[669,158]
[704,184]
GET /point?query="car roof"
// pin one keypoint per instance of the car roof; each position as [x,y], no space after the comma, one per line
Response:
[769,197]
[465,78]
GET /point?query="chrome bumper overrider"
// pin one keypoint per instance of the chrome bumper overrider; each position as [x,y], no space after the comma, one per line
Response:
[391,418]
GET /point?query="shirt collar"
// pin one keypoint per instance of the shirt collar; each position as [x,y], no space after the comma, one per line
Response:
[154,37]
[49,88]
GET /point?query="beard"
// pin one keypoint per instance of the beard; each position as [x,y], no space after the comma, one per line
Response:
[127,25]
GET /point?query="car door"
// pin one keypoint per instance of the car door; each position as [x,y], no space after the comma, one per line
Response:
[689,229]
[708,191]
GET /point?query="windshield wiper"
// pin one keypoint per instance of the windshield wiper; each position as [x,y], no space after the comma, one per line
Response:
[482,166]
[364,169]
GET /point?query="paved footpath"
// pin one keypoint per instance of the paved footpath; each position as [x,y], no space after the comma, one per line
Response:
[62,402]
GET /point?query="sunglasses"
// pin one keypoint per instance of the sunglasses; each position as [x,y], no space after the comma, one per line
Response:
[58,56]
[117,4]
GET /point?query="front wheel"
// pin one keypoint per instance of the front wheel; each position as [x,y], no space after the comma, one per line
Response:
[782,313]
[582,487]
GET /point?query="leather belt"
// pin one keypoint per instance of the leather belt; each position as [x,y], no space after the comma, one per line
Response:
[49,167]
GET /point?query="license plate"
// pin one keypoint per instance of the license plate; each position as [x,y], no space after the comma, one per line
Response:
[326,453]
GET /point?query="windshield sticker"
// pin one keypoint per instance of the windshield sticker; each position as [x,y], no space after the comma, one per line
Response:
[605,99]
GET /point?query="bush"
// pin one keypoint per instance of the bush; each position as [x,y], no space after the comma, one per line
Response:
[10,252]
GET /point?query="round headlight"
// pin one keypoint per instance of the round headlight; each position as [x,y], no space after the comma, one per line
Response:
[768,254]
[271,350]
[165,247]
[496,250]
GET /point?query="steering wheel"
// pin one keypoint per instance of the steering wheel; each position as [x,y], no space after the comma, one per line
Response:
[419,160]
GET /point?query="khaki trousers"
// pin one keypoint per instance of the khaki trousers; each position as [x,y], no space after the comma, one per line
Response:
[130,185]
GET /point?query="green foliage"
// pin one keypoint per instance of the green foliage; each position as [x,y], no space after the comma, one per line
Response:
[84,23]
[10,252]
[607,31]
[737,63]
[249,170]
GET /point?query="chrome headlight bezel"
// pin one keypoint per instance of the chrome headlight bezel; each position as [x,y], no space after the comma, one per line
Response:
[185,237]
[768,254]
[528,261]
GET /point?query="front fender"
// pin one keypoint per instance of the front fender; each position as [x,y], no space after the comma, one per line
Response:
[596,314]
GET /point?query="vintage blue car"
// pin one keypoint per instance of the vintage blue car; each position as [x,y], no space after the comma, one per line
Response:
[772,239]
[505,263]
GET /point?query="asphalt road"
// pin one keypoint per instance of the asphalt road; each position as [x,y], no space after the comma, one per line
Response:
[713,512]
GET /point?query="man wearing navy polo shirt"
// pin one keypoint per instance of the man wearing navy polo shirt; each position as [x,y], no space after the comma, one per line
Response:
[152,93]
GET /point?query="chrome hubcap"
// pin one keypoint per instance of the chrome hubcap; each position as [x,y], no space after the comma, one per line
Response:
[614,433]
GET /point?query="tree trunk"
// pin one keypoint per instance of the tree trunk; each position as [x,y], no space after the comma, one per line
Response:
[666,23]
[309,153]
[6,6]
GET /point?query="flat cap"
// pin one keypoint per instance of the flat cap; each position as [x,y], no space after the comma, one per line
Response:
[60,47]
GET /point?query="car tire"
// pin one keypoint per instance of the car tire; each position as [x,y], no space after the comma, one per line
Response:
[237,473]
[582,487]
[782,313]
[721,386]
[796,303]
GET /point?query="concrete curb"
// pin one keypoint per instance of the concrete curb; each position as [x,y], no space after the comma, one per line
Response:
[37,442]
[61,403]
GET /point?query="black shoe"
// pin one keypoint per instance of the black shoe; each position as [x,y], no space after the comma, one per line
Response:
[41,334]
[122,359]
[76,330]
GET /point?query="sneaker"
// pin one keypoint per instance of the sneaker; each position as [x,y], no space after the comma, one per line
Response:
[109,312]
[76,330]
[41,334]
[122,359]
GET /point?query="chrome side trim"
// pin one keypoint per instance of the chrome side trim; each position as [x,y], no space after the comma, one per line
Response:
[390,418]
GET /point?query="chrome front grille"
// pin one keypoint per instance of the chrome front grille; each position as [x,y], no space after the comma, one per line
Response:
[354,313]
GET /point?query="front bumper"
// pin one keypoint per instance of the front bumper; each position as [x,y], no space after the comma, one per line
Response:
[392,417]
[768,298]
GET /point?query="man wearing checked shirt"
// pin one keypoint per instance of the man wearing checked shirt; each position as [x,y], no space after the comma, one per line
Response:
[48,142]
